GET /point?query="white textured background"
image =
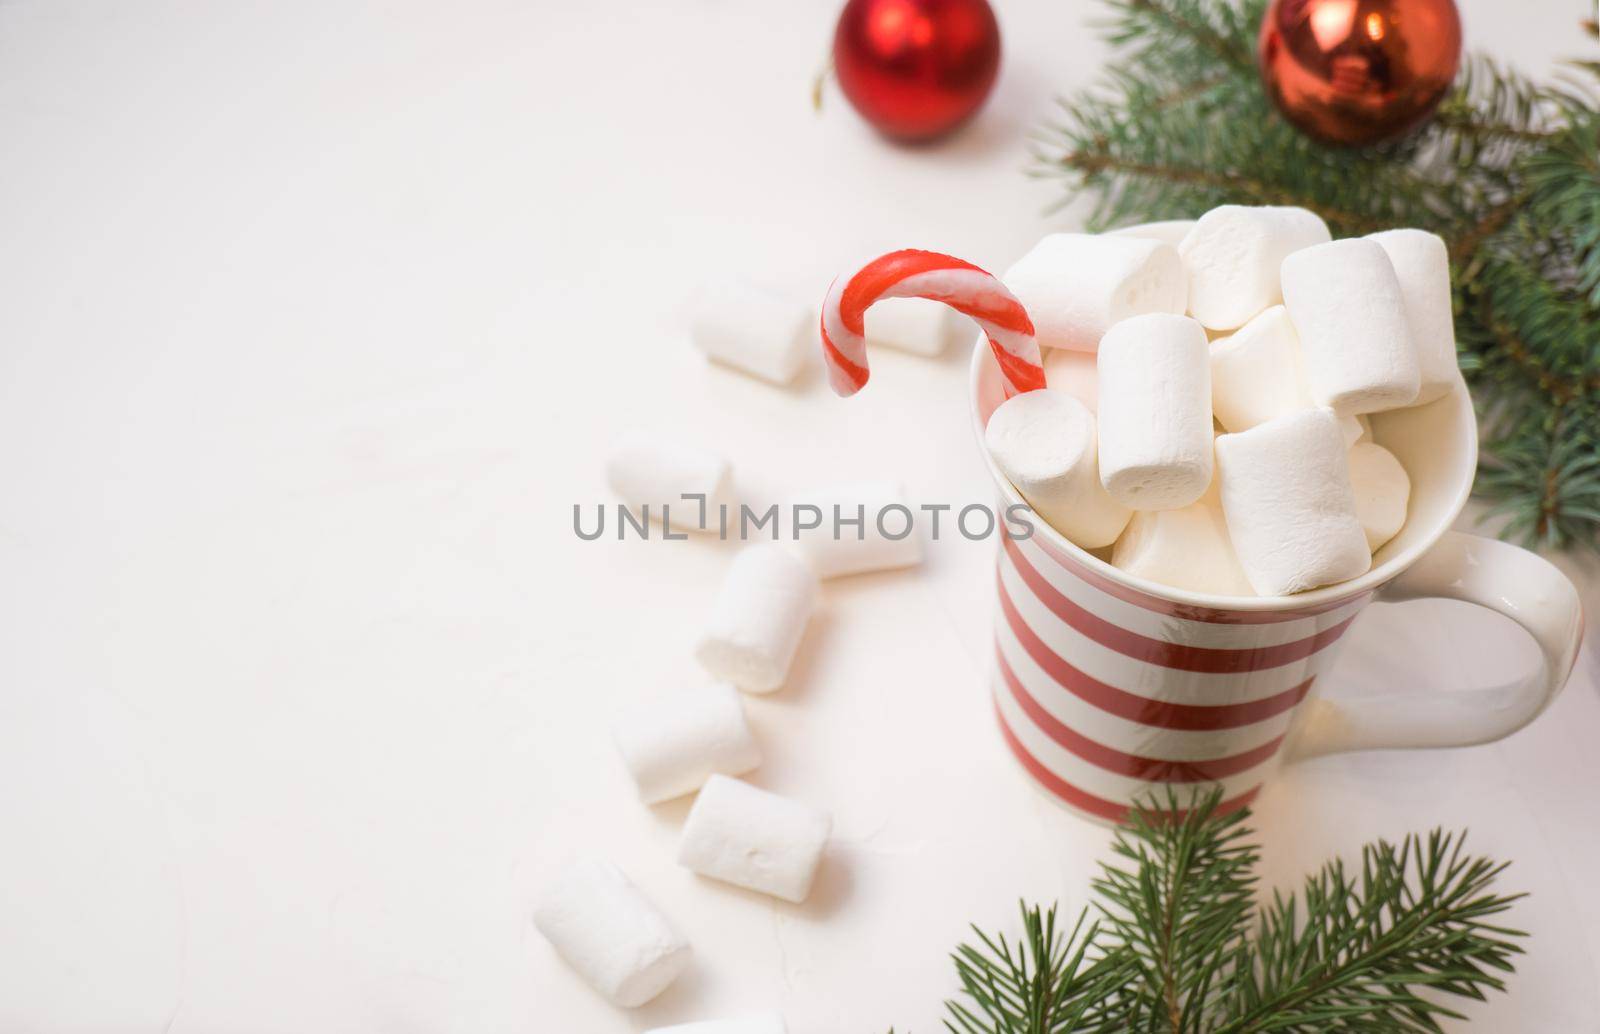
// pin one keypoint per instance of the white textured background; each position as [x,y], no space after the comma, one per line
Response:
[315,316]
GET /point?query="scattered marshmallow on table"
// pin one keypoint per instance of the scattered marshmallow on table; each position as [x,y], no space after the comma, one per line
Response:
[754,839]
[610,933]
[1075,286]
[758,1023]
[1044,443]
[1187,548]
[1382,491]
[1289,504]
[654,474]
[759,618]
[1345,302]
[1233,255]
[1172,231]
[674,742]
[1075,374]
[1155,412]
[886,537]
[920,326]
[753,329]
[1256,373]
[1422,265]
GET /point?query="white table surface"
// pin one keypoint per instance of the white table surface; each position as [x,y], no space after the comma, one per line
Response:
[315,317]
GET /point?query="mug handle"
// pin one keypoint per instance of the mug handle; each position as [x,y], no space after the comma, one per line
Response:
[1525,588]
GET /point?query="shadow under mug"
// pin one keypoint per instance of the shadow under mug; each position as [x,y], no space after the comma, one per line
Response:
[1108,686]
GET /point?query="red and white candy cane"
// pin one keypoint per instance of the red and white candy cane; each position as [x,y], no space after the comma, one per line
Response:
[910,273]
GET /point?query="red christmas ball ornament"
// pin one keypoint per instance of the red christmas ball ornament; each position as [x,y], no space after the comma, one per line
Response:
[1359,71]
[916,69]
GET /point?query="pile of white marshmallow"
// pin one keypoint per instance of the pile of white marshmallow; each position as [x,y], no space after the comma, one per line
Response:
[697,739]
[1210,386]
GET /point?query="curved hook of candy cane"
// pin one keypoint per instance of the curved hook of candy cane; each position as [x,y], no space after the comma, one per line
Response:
[910,273]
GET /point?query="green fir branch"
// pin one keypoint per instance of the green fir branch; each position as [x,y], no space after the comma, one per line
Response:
[1181,945]
[1373,950]
[1507,171]
[1185,903]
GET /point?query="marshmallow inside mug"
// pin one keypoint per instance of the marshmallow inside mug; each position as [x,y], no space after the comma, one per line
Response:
[1436,443]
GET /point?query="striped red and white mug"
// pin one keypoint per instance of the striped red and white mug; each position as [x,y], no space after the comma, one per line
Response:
[1108,687]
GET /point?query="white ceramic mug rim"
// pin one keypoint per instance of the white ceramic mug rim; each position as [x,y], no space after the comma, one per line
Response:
[1331,594]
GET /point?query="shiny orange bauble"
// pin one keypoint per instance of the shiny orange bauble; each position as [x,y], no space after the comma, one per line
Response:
[916,69]
[1359,71]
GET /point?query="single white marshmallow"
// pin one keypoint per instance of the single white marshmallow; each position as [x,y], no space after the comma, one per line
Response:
[1421,263]
[1345,302]
[1044,443]
[675,742]
[1075,374]
[859,527]
[753,329]
[1187,548]
[1155,412]
[759,616]
[608,931]
[679,484]
[1290,508]
[1233,254]
[1256,372]
[1382,492]
[1075,286]
[754,839]
[1172,231]
[921,326]
[758,1023]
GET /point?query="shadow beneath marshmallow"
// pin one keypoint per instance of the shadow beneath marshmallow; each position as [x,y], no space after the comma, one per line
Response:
[670,815]
[830,889]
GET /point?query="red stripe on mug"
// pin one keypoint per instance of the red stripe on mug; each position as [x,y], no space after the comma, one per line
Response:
[1206,659]
[1082,799]
[1173,609]
[1135,708]
[1157,770]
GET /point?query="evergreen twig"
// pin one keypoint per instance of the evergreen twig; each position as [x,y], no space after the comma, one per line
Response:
[1180,945]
